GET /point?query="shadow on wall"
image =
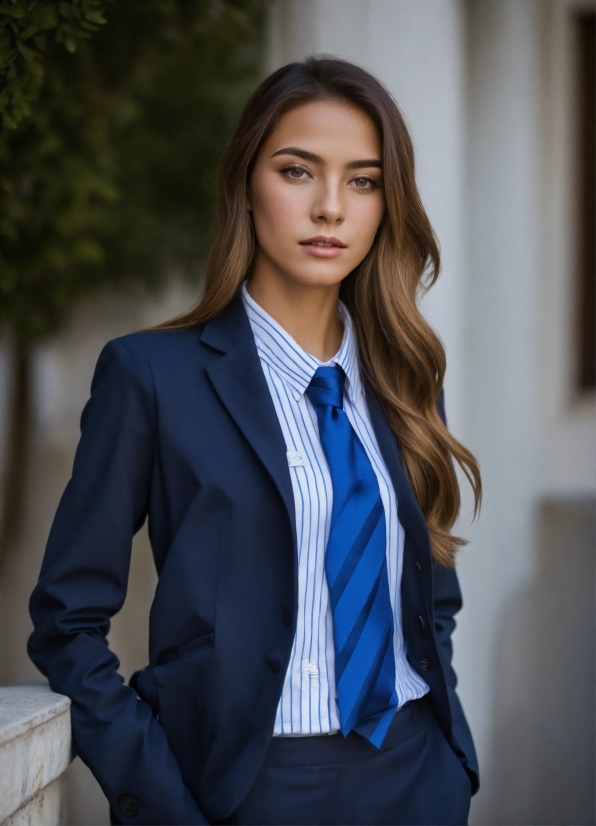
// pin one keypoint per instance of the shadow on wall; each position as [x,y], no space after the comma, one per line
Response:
[541,766]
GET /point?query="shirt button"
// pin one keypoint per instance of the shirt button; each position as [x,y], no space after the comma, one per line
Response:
[295,459]
[310,668]
[128,804]
[420,625]
[425,664]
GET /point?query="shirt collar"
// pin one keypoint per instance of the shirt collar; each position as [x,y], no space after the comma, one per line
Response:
[294,365]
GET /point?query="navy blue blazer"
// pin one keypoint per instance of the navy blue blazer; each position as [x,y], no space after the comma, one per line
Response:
[180,428]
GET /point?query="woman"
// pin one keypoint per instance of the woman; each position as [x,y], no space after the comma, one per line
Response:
[285,441]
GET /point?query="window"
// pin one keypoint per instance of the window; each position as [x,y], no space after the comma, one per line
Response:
[586,193]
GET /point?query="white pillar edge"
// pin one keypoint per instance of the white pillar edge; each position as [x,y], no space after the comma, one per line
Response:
[35,750]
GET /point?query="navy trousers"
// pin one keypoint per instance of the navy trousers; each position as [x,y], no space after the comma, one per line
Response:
[415,778]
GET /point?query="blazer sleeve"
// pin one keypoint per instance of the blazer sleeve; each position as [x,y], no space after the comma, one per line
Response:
[83,583]
[447,603]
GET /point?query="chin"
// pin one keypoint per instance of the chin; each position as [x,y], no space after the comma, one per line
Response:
[318,278]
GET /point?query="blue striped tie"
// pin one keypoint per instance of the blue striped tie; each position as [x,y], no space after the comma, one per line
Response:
[356,570]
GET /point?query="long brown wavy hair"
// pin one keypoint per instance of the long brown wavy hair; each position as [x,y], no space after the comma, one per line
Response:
[400,355]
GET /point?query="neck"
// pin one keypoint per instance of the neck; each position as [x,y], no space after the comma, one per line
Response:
[308,313]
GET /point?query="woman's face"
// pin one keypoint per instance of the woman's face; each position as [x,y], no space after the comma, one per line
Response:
[316,193]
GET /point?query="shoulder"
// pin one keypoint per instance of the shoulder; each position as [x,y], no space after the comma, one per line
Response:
[131,363]
[140,351]
[155,343]
[134,369]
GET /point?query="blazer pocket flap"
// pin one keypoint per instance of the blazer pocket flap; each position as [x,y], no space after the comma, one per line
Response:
[195,645]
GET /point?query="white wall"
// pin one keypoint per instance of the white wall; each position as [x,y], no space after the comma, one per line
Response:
[505,263]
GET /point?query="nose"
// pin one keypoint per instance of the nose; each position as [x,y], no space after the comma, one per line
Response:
[328,207]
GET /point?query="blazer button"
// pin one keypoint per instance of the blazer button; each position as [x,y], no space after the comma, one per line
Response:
[128,804]
[418,566]
[420,625]
[275,666]
[425,664]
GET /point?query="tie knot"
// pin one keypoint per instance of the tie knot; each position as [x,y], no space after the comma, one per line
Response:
[327,387]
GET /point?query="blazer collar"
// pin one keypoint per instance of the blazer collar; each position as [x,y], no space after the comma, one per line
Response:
[229,328]
[239,381]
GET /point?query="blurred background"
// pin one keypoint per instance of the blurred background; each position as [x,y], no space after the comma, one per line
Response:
[114,115]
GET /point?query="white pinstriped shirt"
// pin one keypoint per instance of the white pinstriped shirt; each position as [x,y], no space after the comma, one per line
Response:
[308,701]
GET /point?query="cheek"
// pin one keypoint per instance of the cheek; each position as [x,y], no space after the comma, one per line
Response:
[367,215]
[276,211]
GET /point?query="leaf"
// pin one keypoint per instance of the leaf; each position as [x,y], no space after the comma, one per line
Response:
[25,51]
[9,122]
[95,17]
[17,12]
[29,31]
[7,56]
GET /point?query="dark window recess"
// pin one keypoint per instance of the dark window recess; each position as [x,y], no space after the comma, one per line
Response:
[586,189]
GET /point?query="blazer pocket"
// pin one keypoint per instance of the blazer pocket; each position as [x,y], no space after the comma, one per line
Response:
[194,645]
[143,682]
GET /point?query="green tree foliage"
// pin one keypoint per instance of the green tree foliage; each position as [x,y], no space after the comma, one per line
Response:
[110,179]
[27,29]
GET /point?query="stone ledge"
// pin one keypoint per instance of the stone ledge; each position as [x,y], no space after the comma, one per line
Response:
[35,744]
[43,809]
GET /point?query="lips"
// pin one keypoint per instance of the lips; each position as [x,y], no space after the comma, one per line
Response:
[323,246]
[324,242]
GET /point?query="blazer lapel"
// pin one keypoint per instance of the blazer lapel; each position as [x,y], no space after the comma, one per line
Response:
[417,545]
[240,383]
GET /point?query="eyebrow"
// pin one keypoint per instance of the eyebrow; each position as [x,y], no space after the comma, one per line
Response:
[310,156]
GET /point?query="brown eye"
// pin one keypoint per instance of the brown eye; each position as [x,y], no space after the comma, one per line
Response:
[296,173]
[364,183]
